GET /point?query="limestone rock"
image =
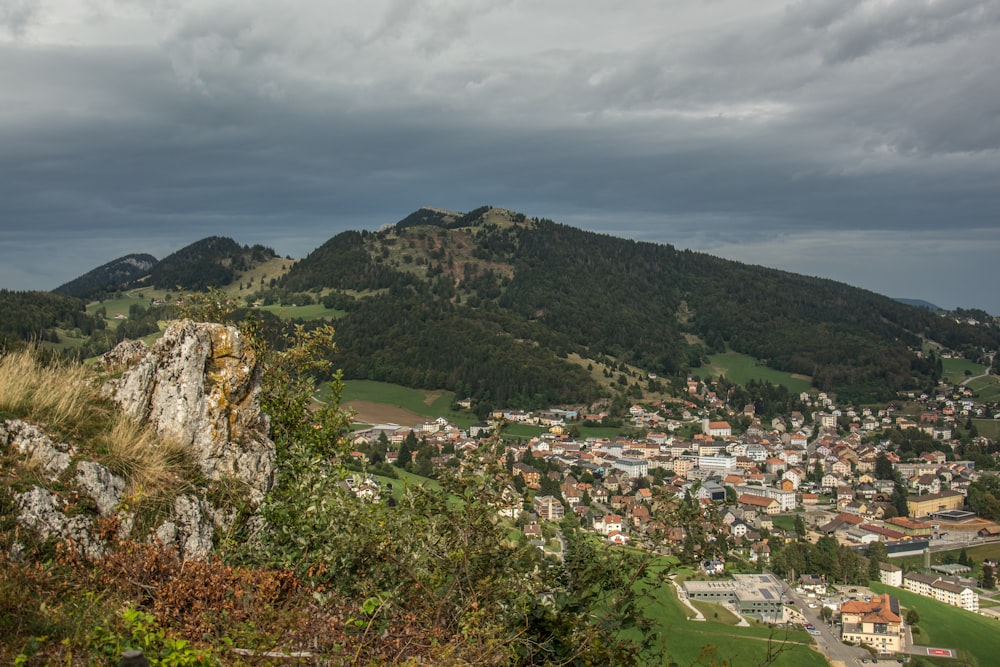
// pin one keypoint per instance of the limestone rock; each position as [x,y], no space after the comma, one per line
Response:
[200,385]
[103,486]
[127,353]
[191,529]
[40,510]
[29,440]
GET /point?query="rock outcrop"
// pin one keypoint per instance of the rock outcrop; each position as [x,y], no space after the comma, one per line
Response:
[200,385]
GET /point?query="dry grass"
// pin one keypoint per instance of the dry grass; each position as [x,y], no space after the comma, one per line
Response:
[155,469]
[64,398]
[62,395]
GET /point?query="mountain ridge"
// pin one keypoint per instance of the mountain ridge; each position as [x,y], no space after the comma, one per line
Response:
[514,295]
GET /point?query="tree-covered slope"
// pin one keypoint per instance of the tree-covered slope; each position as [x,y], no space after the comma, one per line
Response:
[647,304]
[210,262]
[35,316]
[114,276]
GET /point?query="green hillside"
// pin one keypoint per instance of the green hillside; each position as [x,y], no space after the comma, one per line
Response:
[525,312]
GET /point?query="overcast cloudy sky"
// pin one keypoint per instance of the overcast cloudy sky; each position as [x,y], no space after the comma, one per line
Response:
[850,139]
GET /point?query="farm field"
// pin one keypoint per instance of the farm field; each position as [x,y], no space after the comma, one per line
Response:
[378,402]
[975,637]
[956,370]
[741,368]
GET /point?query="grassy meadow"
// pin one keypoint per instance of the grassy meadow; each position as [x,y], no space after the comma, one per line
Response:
[986,389]
[955,369]
[717,640]
[975,637]
[741,368]
[422,402]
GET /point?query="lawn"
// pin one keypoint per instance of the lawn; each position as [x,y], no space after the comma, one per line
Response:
[988,428]
[714,641]
[975,637]
[741,368]
[955,369]
[524,431]
[785,521]
[986,389]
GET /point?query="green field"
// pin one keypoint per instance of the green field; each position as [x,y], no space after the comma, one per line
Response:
[713,641]
[741,368]
[975,637]
[414,400]
[989,428]
[955,369]
[986,389]
[315,311]
[978,554]
[115,306]
[430,404]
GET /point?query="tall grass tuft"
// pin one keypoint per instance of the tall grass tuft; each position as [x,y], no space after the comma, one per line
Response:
[155,469]
[60,394]
[64,397]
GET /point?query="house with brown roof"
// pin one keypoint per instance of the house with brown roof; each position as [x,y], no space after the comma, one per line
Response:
[877,623]
[758,503]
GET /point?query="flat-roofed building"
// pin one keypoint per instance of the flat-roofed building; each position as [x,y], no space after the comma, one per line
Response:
[924,505]
[755,595]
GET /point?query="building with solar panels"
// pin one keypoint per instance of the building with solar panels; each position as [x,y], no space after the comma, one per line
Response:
[757,596]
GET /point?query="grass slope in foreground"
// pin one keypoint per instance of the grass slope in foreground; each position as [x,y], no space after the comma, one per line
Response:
[691,642]
[975,637]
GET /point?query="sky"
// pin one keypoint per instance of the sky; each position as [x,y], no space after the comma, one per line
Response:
[849,139]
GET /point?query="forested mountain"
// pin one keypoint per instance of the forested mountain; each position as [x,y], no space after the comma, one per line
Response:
[35,316]
[558,289]
[210,262]
[523,312]
[116,275]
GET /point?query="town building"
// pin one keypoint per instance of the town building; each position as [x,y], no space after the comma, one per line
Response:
[877,623]
[755,595]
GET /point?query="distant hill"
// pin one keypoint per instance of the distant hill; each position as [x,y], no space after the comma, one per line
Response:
[920,303]
[524,312]
[210,262]
[108,278]
[440,290]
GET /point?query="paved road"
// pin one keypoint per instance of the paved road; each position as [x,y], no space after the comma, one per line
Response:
[828,639]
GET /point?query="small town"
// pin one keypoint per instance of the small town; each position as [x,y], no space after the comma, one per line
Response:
[829,475]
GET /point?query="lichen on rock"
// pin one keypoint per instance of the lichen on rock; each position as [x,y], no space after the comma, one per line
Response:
[200,384]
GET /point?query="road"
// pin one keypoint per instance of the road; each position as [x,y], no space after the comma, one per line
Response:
[828,640]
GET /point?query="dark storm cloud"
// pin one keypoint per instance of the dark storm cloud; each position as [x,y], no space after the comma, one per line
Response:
[759,130]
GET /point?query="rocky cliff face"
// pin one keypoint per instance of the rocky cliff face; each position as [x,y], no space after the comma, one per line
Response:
[198,385]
